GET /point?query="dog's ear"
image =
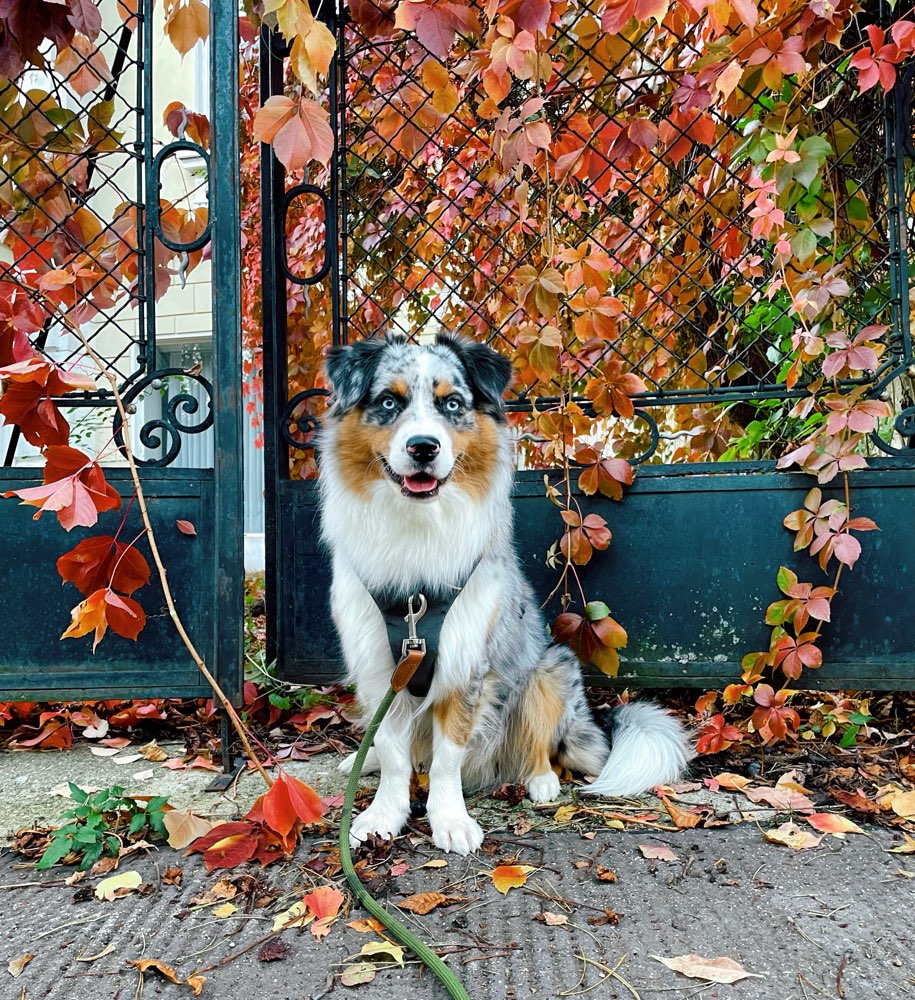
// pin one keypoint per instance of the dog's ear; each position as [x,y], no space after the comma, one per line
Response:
[350,371]
[488,372]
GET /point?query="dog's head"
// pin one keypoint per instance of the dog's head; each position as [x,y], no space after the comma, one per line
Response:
[418,417]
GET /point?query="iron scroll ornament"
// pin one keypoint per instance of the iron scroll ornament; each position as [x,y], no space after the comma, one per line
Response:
[164,432]
[306,423]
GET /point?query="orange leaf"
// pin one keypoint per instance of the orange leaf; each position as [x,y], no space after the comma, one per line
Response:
[506,877]
[833,823]
[187,22]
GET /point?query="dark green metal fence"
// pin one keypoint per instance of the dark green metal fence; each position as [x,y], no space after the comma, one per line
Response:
[111,164]
[695,546]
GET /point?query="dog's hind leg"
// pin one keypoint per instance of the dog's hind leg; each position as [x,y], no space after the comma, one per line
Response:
[537,727]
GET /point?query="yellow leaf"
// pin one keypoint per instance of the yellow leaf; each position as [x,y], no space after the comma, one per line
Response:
[437,80]
[506,877]
[119,885]
[386,949]
[906,848]
[313,48]
[564,814]
[226,910]
[435,863]
[298,915]
[733,782]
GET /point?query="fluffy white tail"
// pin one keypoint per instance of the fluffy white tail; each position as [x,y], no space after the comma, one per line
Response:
[650,748]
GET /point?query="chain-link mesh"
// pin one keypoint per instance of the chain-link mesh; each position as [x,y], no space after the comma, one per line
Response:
[641,230]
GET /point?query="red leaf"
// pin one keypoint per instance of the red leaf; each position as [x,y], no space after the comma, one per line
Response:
[185,527]
[228,845]
[101,562]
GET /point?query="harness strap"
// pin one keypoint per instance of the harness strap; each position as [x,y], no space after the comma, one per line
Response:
[418,671]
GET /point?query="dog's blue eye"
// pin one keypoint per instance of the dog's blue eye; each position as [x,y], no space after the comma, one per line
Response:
[453,404]
[388,403]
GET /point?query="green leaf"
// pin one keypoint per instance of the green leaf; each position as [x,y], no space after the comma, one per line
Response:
[59,848]
[859,718]
[596,611]
[137,823]
[785,579]
[77,794]
[849,737]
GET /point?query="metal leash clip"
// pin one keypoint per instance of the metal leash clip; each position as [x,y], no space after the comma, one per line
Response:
[413,641]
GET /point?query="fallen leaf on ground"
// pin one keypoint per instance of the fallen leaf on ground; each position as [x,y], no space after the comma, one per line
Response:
[505,877]
[387,949]
[324,903]
[156,965]
[784,797]
[732,782]
[399,868]
[119,885]
[274,950]
[107,950]
[564,814]
[225,910]
[357,974]
[172,876]
[659,853]
[833,823]
[791,835]
[552,919]
[105,751]
[435,863]
[425,902]
[715,970]
[128,758]
[372,924]
[683,819]
[610,917]
[603,874]
[298,915]
[904,805]
[16,965]
[906,848]
[219,892]
[153,752]
[184,826]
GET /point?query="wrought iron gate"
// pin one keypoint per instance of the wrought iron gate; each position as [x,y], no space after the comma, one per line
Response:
[690,569]
[138,210]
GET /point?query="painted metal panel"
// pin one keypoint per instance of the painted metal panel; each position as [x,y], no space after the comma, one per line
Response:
[689,574]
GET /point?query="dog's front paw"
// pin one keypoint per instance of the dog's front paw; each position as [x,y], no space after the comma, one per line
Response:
[378,820]
[459,834]
[370,766]
[543,787]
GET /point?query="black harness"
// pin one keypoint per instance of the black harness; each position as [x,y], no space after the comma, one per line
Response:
[395,608]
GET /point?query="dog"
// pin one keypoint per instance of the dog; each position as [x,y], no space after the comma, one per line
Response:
[415,483]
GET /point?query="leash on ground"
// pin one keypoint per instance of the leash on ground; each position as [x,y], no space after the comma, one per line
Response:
[404,671]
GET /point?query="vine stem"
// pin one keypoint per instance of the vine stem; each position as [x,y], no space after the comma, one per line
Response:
[221,696]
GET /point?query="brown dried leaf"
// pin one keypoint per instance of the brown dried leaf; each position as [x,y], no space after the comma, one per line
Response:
[715,970]
[425,902]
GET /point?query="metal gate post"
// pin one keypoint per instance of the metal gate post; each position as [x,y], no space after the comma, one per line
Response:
[228,514]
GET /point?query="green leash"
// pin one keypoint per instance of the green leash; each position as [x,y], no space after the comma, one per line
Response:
[422,951]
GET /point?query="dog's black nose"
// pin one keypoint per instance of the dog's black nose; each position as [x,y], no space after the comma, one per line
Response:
[423,449]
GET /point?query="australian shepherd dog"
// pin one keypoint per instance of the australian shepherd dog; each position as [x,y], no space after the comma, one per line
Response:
[416,478]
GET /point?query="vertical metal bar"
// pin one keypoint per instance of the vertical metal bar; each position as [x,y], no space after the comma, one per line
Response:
[337,100]
[228,460]
[895,120]
[273,345]
[146,337]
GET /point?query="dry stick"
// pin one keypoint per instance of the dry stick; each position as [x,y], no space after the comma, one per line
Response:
[163,575]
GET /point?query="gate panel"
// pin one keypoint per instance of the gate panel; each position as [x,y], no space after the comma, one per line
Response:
[136,212]
[427,233]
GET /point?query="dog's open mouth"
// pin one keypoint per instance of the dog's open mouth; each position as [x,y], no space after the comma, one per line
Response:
[418,485]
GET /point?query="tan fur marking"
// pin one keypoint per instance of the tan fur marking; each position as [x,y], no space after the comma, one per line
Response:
[538,719]
[455,716]
[477,453]
[400,388]
[443,390]
[358,448]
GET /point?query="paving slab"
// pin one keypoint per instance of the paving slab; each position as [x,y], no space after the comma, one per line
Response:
[832,922]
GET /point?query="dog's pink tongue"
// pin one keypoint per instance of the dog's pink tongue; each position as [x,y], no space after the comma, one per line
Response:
[420,483]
